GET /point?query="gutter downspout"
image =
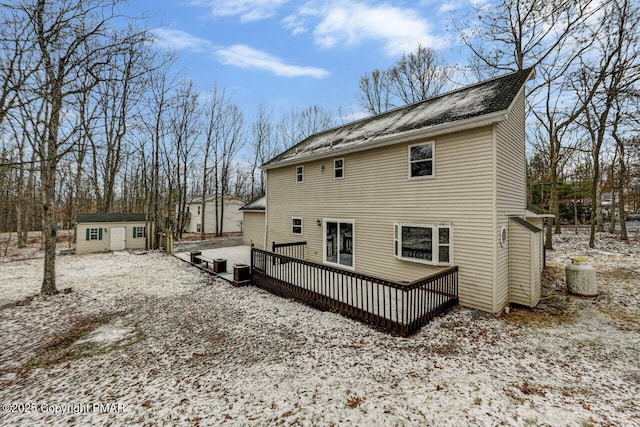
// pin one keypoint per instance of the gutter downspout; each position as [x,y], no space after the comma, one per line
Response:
[266,209]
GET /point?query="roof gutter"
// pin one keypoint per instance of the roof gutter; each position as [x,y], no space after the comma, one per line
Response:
[474,122]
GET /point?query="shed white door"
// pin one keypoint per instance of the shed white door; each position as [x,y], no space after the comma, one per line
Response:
[117,238]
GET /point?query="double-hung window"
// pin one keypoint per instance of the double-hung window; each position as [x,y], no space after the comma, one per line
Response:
[338,168]
[299,173]
[296,225]
[421,160]
[429,244]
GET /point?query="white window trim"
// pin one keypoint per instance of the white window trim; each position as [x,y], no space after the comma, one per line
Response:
[301,174]
[336,168]
[433,160]
[351,267]
[139,232]
[397,241]
[91,232]
[301,225]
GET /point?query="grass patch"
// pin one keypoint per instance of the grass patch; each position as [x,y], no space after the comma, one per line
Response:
[541,315]
[624,318]
[62,349]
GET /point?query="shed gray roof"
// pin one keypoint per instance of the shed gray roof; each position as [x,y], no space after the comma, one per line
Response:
[525,224]
[111,217]
[258,204]
[481,99]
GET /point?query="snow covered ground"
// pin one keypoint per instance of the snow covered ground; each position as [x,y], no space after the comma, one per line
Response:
[146,339]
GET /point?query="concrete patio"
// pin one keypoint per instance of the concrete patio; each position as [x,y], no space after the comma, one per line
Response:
[232,254]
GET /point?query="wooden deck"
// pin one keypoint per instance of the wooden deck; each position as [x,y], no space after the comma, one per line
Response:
[398,307]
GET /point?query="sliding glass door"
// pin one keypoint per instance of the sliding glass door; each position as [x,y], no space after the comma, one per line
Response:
[338,242]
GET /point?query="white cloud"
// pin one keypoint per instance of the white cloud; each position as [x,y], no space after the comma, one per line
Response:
[243,56]
[247,10]
[179,40]
[352,23]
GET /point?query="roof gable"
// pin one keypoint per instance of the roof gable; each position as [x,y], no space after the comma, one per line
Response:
[481,99]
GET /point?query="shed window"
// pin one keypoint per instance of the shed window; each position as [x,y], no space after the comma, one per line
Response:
[139,232]
[296,225]
[338,168]
[299,173]
[421,157]
[429,244]
[93,234]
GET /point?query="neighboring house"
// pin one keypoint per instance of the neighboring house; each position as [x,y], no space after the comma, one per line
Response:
[412,191]
[102,232]
[253,222]
[232,221]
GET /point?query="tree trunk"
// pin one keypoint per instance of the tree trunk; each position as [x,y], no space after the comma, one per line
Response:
[621,199]
[49,231]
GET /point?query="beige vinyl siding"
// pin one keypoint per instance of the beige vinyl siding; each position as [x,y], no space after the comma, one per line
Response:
[376,193]
[253,229]
[84,246]
[510,188]
[526,264]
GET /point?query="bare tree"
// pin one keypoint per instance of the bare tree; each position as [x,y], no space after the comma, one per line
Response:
[155,123]
[117,94]
[414,77]
[375,94]
[262,148]
[517,34]
[213,113]
[419,75]
[184,131]
[613,73]
[68,40]
[295,126]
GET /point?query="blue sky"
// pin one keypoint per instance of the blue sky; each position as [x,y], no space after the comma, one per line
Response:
[294,54]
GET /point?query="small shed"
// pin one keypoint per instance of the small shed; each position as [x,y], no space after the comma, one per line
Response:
[102,232]
[253,222]
[526,252]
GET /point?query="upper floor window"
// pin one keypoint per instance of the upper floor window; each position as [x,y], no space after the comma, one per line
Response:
[338,168]
[421,157]
[429,244]
[296,225]
[299,173]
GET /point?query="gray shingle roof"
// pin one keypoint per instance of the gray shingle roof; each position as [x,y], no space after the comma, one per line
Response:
[480,99]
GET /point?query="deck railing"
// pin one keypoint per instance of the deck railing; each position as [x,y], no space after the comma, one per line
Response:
[401,308]
[294,249]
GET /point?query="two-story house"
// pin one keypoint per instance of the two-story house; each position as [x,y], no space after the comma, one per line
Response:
[409,192]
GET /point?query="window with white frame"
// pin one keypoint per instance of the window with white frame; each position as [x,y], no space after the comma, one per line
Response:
[421,158]
[299,173]
[429,244]
[139,232]
[296,225]
[94,234]
[338,168]
[339,243]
